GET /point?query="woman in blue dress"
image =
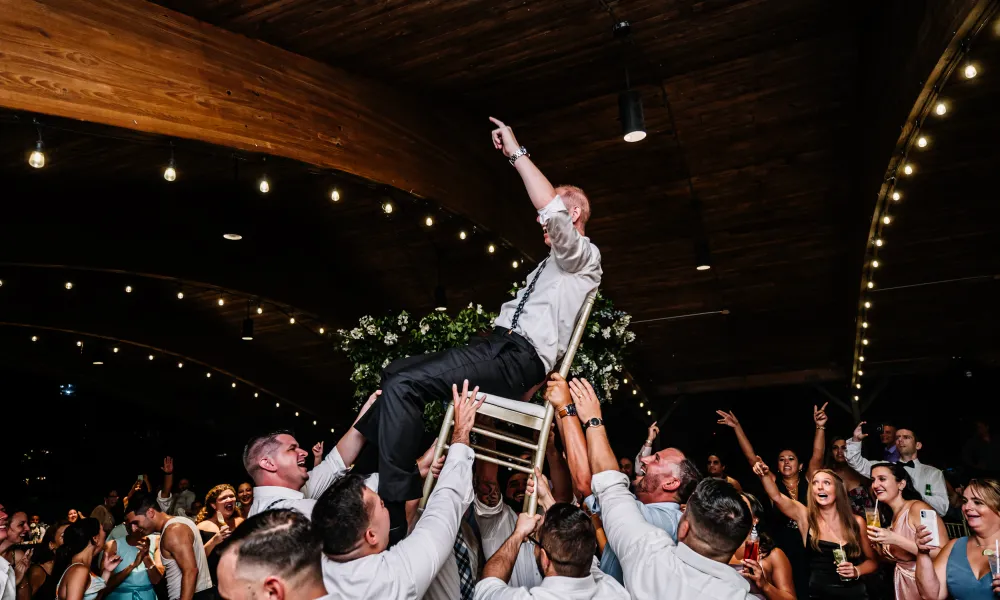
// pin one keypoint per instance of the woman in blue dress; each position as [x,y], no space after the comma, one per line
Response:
[141,557]
[962,569]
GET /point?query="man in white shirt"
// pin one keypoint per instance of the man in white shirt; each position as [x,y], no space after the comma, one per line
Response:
[275,554]
[927,480]
[696,567]
[277,464]
[563,550]
[354,525]
[531,333]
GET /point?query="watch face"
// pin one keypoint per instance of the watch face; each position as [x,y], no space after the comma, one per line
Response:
[594,422]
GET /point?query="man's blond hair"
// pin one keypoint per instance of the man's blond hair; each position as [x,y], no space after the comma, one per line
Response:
[574,196]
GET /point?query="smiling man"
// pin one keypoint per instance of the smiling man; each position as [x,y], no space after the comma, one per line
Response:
[277,464]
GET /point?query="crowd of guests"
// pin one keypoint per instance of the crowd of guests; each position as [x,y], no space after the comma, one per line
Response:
[841,525]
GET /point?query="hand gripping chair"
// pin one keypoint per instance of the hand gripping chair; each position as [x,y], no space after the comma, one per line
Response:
[520,413]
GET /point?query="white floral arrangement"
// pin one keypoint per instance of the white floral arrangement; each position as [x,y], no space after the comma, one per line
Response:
[377,341]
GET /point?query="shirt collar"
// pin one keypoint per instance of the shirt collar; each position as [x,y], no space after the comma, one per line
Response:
[710,567]
[569,584]
[275,491]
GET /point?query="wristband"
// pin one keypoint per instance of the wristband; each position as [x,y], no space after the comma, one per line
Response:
[821,427]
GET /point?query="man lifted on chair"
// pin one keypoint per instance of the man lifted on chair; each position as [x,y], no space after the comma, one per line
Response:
[530,336]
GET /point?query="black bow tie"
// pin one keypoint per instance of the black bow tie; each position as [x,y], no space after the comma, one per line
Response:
[908,463]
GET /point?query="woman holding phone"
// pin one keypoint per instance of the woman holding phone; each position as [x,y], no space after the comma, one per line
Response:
[965,568]
[767,568]
[834,538]
[893,488]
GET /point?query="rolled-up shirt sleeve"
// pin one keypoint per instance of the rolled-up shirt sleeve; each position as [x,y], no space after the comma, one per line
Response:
[323,475]
[857,462]
[623,522]
[492,588]
[570,249]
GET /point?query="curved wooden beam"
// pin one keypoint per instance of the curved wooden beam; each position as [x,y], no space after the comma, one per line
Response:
[133,64]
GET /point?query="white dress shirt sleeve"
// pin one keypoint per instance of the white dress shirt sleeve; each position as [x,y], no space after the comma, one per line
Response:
[624,524]
[8,579]
[422,554]
[164,503]
[571,251]
[857,462]
[492,588]
[939,491]
[323,475]
[638,466]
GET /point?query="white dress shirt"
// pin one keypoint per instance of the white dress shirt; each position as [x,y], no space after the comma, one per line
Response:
[596,586]
[496,524]
[572,271]
[447,585]
[655,566]
[267,497]
[8,580]
[921,474]
[405,571]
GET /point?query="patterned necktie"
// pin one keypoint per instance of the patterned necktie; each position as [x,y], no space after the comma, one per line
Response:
[527,292]
[466,579]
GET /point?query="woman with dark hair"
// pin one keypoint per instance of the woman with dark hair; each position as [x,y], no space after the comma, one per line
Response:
[770,576]
[893,487]
[791,485]
[41,584]
[82,541]
[834,538]
[73,515]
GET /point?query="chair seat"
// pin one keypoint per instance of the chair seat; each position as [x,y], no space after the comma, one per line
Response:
[526,408]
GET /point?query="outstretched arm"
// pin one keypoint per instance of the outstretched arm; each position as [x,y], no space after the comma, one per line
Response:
[729,419]
[539,189]
[853,453]
[501,564]
[819,440]
[557,393]
[793,509]
[350,445]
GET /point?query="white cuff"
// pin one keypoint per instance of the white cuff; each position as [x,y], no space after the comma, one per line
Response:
[556,205]
[605,479]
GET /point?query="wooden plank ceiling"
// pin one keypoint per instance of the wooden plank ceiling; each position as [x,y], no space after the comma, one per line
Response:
[763,96]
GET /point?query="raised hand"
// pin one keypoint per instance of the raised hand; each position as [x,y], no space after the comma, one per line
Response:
[760,468]
[526,525]
[654,430]
[859,433]
[168,465]
[22,563]
[224,532]
[819,415]
[557,391]
[110,562]
[143,550]
[728,419]
[318,453]
[466,405]
[540,483]
[587,405]
[923,540]
[503,138]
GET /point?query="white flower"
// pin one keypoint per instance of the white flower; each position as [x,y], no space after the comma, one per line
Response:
[385,364]
[470,305]
[424,328]
[390,339]
[403,318]
[403,328]
[606,333]
[629,337]
[371,330]
[479,309]
[365,321]
[356,334]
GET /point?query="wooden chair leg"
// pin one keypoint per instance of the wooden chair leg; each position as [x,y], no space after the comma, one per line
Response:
[442,440]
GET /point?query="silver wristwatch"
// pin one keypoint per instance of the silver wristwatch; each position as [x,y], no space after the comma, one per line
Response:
[522,151]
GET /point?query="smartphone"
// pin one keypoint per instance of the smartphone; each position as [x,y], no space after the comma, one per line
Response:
[928,518]
[140,478]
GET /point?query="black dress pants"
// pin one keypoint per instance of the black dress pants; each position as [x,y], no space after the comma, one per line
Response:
[503,364]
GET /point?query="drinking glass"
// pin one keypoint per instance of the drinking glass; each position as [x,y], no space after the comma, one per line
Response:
[840,556]
[871,516]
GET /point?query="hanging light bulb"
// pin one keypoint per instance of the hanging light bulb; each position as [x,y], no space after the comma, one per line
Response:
[860,372]
[515,264]
[296,413]
[625,381]
[128,289]
[440,299]
[857,385]
[247,329]
[429,221]
[879,242]
[37,157]
[865,341]
[941,108]
[314,422]
[115,349]
[871,284]
[291,320]
[260,310]
[180,295]
[256,395]
[631,115]
[264,185]
[277,405]
[864,324]
[970,71]
[875,264]
[861,358]
[68,285]
[491,248]
[868,304]
[886,219]
[150,357]
[180,365]
[34,338]
[896,196]
[322,331]
[641,405]
[234,384]
[79,344]
[922,142]
[221,301]
[462,235]
[635,392]
[908,169]
[649,413]
[208,375]
[387,207]
[855,398]
[335,195]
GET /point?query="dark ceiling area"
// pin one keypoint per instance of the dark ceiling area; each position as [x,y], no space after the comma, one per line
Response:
[766,122]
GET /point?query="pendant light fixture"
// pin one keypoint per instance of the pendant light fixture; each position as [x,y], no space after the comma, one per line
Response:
[248,325]
[37,157]
[629,101]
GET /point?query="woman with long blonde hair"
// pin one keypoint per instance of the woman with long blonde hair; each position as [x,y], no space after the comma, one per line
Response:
[828,527]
